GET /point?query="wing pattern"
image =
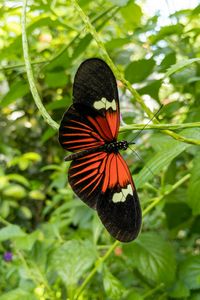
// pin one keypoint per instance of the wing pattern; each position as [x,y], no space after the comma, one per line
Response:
[103,181]
[82,129]
[98,176]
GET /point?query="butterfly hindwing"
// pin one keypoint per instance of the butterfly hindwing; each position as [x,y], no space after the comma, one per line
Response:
[103,181]
[118,205]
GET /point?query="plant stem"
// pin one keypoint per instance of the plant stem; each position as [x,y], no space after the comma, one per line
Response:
[4,222]
[116,243]
[95,269]
[159,126]
[158,199]
[152,291]
[119,75]
[21,65]
[30,76]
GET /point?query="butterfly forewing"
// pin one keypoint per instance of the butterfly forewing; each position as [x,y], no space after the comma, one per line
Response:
[77,133]
[98,177]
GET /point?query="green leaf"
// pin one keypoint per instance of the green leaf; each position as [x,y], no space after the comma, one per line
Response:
[57,104]
[154,257]
[37,195]
[18,178]
[133,295]
[195,296]
[23,163]
[117,43]
[10,232]
[97,228]
[190,272]
[61,61]
[17,90]
[25,212]
[176,213]
[119,2]
[166,31]
[194,187]
[179,290]
[27,241]
[82,45]
[138,70]
[15,191]
[18,294]
[52,167]
[151,89]
[16,46]
[169,149]
[132,15]
[49,133]
[56,79]
[113,287]
[3,182]
[72,260]
[180,65]
[33,156]
[169,59]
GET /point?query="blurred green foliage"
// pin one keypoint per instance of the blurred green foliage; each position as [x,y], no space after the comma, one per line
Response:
[56,241]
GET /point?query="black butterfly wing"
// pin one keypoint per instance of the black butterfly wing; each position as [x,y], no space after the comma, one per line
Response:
[93,81]
[95,87]
[103,181]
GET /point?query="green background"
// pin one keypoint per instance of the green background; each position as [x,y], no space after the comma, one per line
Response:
[60,248]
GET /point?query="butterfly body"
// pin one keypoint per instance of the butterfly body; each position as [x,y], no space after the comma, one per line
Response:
[114,146]
[98,173]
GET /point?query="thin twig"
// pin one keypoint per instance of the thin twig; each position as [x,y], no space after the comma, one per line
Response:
[159,126]
[116,243]
[30,76]
[120,76]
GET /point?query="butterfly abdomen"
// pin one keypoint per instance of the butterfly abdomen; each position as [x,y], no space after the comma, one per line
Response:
[112,147]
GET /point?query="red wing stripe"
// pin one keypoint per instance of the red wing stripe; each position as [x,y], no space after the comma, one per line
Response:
[128,177]
[103,164]
[97,184]
[80,123]
[80,141]
[99,154]
[101,129]
[98,157]
[87,177]
[113,122]
[75,134]
[103,123]
[86,169]
[98,178]
[85,146]
[107,173]
[113,171]
[77,128]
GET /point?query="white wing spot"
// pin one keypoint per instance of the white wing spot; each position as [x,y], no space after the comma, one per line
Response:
[121,196]
[104,103]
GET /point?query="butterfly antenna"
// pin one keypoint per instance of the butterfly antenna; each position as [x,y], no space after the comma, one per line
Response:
[142,160]
[154,116]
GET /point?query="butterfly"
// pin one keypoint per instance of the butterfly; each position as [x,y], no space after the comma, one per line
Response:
[98,174]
